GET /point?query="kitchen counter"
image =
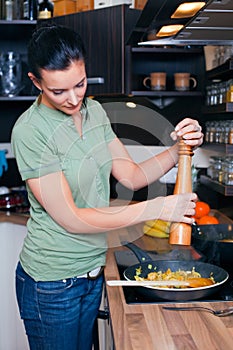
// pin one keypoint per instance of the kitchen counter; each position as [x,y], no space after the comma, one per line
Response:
[14,218]
[149,326]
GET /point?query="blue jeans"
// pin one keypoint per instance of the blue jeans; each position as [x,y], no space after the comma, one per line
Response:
[58,315]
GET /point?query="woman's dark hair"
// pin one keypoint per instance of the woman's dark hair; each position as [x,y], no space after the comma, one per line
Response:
[54,47]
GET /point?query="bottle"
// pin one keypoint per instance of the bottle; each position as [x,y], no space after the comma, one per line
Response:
[25,10]
[18,9]
[45,9]
[30,9]
[9,10]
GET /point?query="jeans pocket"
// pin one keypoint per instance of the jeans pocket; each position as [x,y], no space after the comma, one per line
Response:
[54,287]
[20,287]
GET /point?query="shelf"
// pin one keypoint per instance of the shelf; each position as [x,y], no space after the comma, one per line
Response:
[16,30]
[18,21]
[225,71]
[166,93]
[223,108]
[216,186]
[165,50]
[219,147]
[18,98]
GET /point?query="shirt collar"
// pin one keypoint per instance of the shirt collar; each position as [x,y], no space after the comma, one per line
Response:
[58,115]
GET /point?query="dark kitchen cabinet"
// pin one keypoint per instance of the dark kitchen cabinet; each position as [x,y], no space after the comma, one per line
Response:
[15,38]
[121,67]
[223,72]
[104,32]
[217,112]
[141,61]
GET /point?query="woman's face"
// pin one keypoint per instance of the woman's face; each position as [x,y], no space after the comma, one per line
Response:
[64,90]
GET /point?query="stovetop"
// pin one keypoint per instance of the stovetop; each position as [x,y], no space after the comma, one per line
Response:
[132,294]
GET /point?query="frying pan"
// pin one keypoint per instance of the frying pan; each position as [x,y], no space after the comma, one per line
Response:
[147,265]
[214,241]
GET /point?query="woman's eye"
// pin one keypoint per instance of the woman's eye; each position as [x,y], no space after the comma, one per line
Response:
[59,92]
[80,85]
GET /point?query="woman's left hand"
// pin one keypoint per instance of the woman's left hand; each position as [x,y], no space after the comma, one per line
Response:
[190,131]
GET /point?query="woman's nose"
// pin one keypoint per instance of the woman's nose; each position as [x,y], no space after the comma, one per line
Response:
[73,98]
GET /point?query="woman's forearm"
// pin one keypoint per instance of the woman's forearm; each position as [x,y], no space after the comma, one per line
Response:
[152,169]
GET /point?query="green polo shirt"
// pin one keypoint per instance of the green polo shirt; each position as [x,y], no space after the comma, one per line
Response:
[45,141]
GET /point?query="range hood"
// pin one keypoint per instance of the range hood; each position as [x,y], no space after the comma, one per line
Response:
[212,25]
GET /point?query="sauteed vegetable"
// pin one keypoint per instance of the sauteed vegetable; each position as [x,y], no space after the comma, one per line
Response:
[193,277]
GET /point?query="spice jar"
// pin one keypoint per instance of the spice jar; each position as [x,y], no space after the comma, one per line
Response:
[228,172]
[214,171]
[230,136]
[229,95]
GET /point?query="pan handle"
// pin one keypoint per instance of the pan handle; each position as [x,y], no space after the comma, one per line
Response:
[141,255]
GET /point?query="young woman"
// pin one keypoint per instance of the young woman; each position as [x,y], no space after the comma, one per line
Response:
[65,151]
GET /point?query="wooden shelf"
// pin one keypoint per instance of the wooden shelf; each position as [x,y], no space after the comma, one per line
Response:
[216,186]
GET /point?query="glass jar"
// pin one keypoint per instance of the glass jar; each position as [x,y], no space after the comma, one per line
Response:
[210,169]
[212,132]
[228,172]
[222,92]
[230,136]
[229,94]
[214,94]
[208,95]
[218,137]
[207,132]
[226,126]
[215,171]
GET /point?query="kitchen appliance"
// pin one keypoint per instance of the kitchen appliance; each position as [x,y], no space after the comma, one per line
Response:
[126,258]
[211,25]
[216,242]
[176,294]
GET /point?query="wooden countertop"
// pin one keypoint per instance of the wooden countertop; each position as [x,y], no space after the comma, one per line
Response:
[13,218]
[148,326]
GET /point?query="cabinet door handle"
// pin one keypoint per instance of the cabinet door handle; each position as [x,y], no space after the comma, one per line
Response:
[95,80]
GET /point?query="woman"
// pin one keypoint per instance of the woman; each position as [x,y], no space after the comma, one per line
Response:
[65,151]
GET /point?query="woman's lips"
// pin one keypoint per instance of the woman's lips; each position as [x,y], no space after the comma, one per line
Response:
[72,108]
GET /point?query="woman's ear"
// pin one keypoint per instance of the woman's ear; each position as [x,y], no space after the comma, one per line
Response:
[34,80]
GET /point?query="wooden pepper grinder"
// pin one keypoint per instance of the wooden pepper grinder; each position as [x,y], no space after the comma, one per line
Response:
[180,233]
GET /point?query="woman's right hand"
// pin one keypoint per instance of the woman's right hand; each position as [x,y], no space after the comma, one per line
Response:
[174,208]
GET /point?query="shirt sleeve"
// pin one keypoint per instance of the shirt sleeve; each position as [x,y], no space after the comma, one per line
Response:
[35,154]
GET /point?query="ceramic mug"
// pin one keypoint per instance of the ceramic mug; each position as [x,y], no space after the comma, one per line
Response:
[156,81]
[183,80]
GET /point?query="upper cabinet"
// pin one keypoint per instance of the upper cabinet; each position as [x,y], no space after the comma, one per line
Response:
[13,43]
[142,61]
[104,32]
[17,33]
[116,68]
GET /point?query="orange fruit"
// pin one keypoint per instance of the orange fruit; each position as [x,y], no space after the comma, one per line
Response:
[208,220]
[202,209]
